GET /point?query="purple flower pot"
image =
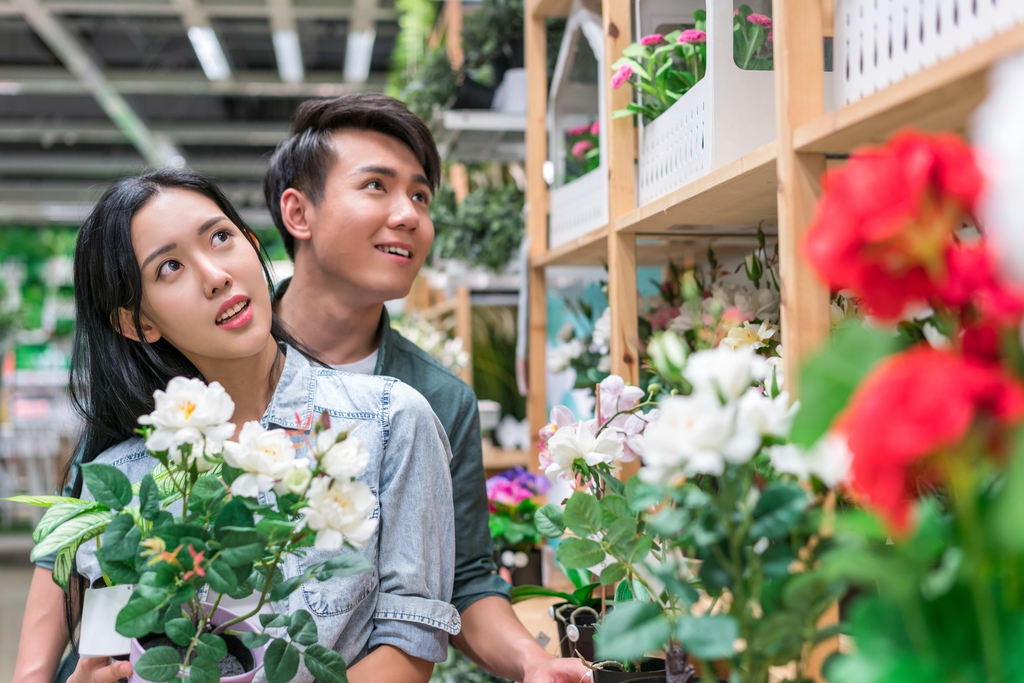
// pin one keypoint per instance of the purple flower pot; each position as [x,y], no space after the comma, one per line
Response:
[219,617]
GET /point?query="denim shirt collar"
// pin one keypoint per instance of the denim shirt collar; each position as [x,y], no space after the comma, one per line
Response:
[291,406]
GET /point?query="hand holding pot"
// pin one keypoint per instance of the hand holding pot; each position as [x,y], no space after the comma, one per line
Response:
[100,670]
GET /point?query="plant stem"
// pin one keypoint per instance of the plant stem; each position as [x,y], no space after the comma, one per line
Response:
[263,596]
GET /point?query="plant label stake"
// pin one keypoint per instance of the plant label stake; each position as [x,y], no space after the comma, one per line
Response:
[99,611]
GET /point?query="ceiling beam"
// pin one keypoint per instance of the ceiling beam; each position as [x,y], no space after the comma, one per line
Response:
[56,81]
[362,34]
[46,165]
[215,11]
[241,133]
[154,150]
[285,33]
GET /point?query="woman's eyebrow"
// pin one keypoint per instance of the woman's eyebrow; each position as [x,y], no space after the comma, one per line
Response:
[210,222]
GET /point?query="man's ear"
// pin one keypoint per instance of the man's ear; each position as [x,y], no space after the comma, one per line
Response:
[297,212]
[124,323]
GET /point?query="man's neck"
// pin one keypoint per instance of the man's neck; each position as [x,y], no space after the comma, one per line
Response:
[328,322]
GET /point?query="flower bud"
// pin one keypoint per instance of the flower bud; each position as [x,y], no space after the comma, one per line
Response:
[297,480]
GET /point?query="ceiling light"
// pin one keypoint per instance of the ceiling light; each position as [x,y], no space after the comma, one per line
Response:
[358,55]
[289,56]
[210,54]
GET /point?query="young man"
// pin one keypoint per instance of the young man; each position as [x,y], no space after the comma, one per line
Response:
[350,193]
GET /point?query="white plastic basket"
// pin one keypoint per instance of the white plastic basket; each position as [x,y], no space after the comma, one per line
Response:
[579,206]
[881,42]
[728,113]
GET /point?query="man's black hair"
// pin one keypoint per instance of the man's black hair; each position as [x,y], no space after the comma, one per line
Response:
[303,160]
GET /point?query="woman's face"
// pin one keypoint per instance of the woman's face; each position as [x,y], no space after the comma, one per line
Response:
[203,288]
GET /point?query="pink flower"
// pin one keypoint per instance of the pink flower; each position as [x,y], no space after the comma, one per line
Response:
[693,35]
[560,417]
[770,36]
[595,129]
[761,20]
[652,39]
[616,397]
[633,434]
[578,130]
[621,76]
[581,148]
[505,492]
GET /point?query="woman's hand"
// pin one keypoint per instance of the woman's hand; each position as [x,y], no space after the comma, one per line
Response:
[100,670]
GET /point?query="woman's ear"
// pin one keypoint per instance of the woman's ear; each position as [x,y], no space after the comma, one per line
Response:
[124,323]
[296,213]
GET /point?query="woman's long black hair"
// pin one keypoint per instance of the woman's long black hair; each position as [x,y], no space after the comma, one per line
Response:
[113,377]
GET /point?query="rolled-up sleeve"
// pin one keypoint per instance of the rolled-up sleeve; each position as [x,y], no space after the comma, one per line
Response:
[416,561]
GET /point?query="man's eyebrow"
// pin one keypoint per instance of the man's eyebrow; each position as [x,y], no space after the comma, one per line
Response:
[159,252]
[382,170]
[210,222]
[421,179]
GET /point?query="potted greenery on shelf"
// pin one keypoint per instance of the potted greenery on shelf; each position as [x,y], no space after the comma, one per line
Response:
[512,499]
[223,538]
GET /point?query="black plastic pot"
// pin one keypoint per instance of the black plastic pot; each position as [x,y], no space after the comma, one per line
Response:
[651,669]
[473,95]
[586,626]
[530,574]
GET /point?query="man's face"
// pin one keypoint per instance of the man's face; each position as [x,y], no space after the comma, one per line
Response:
[372,229]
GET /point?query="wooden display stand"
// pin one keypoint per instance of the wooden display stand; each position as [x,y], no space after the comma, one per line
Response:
[777,182]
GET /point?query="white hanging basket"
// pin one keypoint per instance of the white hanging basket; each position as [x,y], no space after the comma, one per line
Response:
[579,206]
[881,42]
[728,113]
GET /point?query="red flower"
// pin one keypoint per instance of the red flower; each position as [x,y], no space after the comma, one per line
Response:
[885,222]
[197,567]
[912,406]
[972,277]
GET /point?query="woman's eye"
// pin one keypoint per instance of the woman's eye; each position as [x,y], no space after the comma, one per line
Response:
[221,236]
[169,267]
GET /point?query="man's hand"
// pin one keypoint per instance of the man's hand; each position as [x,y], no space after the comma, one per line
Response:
[100,670]
[569,670]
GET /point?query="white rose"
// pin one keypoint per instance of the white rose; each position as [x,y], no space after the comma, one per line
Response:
[829,460]
[297,480]
[338,512]
[342,459]
[575,442]
[187,412]
[696,434]
[769,416]
[724,371]
[203,453]
[264,456]
[602,336]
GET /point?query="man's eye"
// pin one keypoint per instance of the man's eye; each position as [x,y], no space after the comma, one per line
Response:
[422,197]
[375,184]
[168,267]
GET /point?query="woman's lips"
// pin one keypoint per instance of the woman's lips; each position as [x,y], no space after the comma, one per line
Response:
[238,319]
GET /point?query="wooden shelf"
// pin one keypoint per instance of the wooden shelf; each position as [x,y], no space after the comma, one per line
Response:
[549,8]
[941,97]
[740,193]
[589,250]
[499,459]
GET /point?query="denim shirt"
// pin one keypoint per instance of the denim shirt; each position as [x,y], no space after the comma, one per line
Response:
[405,600]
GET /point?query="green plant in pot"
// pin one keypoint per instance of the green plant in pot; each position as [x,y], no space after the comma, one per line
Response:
[578,609]
[512,501]
[220,516]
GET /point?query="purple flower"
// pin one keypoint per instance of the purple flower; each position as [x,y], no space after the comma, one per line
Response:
[693,35]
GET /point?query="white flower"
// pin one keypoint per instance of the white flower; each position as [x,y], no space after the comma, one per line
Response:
[773,367]
[602,337]
[682,323]
[759,304]
[829,460]
[769,416]
[744,335]
[696,434]
[203,453]
[342,459]
[338,512]
[566,332]
[298,479]
[187,412]
[999,135]
[935,339]
[576,442]
[265,458]
[604,364]
[562,355]
[724,371]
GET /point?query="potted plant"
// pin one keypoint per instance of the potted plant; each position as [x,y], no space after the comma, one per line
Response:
[512,499]
[578,610]
[584,145]
[223,537]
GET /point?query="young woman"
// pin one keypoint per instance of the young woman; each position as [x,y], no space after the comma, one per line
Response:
[170,281]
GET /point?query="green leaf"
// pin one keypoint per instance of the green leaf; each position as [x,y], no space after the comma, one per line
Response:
[623,593]
[74,531]
[149,498]
[211,646]
[48,501]
[829,378]
[280,591]
[582,514]
[613,573]
[1009,506]
[274,620]
[630,630]
[204,670]
[254,640]
[57,515]
[233,514]
[347,564]
[615,508]
[158,664]
[180,631]
[221,577]
[63,564]
[138,617]
[707,637]
[120,572]
[325,664]
[579,553]
[548,521]
[281,661]
[302,628]
[521,593]
[107,484]
[121,539]
[242,555]
[583,595]
[207,489]
[779,508]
